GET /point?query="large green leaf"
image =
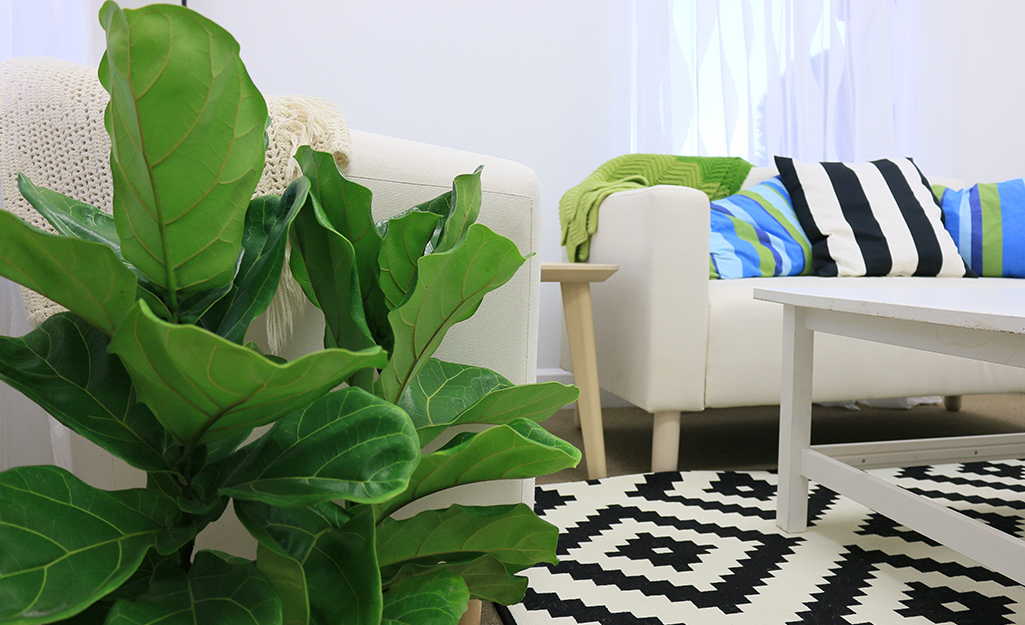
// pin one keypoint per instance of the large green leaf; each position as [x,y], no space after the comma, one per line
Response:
[404,243]
[204,388]
[445,394]
[512,534]
[138,583]
[218,588]
[347,445]
[536,402]
[329,260]
[67,544]
[289,531]
[450,287]
[457,210]
[289,581]
[519,449]
[263,253]
[347,207]
[79,220]
[484,575]
[336,553]
[444,390]
[435,226]
[70,217]
[86,277]
[342,576]
[297,267]
[463,210]
[187,143]
[437,599]
[64,367]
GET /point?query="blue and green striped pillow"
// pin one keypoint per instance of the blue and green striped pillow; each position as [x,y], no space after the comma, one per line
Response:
[987,223]
[756,233]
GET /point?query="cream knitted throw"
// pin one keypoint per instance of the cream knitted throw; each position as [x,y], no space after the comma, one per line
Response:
[51,130]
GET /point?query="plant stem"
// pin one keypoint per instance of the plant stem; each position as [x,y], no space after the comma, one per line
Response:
[185,489]
[185,553]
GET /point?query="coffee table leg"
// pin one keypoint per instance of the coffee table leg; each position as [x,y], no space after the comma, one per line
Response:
[795,420]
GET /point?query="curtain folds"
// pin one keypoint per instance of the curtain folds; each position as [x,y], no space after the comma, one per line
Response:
[754,78]
[57,28]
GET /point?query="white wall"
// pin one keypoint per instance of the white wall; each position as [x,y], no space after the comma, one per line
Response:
[540,82]
[987,94]
[545,83]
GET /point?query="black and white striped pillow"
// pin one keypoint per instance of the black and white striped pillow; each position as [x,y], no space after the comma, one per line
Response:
[878,218]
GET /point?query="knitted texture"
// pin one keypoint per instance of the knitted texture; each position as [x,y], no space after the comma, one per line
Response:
[51,121]
[578,209]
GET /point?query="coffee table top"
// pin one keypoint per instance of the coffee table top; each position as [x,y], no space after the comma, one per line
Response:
[997,305]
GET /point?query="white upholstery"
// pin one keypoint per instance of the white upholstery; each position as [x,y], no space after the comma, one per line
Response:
[745,343]
[501,336]
[670,339]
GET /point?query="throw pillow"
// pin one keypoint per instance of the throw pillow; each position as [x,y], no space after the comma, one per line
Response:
[987,223]
[756,233]
[871,219]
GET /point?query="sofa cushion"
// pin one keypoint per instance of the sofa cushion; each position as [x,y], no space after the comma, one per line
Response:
[870,219]
[756,233]
[987,223]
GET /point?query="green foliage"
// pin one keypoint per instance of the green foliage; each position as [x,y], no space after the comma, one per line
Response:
[449,288]
[67,544]
[218,588]
[151,364]
[436,535]
[185,158]
[204,388]
[263,251]
[426,600]
[86,277]
[63,366]
[346,445]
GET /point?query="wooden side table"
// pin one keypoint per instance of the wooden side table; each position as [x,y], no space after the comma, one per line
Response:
[575,280]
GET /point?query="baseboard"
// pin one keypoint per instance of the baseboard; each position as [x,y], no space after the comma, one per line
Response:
[608,400]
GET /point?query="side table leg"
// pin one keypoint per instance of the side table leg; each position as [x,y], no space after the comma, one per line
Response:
[795,420]
[576,302]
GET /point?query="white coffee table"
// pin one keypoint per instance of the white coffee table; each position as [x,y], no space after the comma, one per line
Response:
[975,322]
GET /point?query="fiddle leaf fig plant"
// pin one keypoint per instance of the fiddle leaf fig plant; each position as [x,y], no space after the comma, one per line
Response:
[150,363]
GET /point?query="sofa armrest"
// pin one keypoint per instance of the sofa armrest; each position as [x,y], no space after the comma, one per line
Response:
[651,318]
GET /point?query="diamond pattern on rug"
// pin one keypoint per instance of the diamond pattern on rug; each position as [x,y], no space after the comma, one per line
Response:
[702,547]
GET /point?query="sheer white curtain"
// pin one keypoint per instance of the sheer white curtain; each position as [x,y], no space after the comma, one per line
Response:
[811,79]
[58,28]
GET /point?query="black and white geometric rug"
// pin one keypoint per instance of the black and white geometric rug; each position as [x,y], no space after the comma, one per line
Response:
[702,548]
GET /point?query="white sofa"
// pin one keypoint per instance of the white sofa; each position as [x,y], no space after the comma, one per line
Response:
[502,335]
[669,340]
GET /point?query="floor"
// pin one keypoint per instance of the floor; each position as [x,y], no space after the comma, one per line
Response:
[746,438]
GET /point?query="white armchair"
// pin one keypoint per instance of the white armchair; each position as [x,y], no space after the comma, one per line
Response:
[57,117]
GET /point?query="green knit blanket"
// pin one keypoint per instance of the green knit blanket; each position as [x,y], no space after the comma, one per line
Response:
[717,176]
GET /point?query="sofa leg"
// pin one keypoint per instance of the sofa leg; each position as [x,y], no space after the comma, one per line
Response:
[952,403]
[665,443]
